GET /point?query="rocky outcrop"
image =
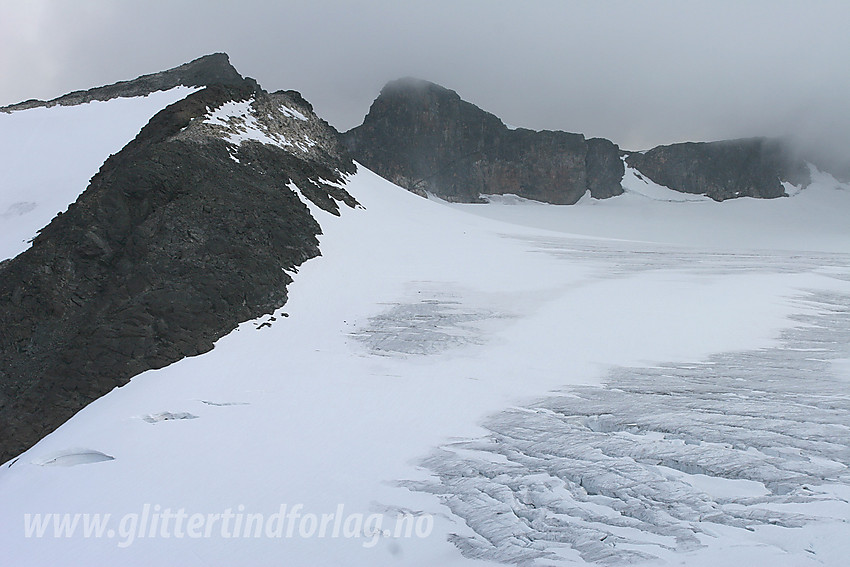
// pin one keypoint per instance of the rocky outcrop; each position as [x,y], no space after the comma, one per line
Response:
[723,170]
[214,69]
[427,139]
[183,234]
[604,168]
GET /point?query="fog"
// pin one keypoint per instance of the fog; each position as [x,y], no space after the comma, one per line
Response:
[638,73]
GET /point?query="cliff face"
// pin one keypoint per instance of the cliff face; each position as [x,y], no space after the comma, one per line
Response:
[180,236]
[427,139]
[723,170]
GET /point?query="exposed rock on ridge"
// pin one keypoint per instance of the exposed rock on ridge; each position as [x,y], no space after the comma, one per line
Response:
[180,236]
[427,139]
[214,69]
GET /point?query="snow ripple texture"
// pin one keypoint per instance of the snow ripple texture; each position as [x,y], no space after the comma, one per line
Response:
[622,473]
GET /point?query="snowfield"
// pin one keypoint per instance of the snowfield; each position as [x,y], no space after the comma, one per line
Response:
[48,155]
[637,380]
[812,219]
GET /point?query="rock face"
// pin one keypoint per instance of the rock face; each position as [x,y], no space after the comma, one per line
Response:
[723,170]
[180,236]
[427,139]
[214,69]
[604,168]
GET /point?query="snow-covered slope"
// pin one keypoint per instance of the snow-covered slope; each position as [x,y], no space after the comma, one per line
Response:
[48,155]
[523,395]
[812,218]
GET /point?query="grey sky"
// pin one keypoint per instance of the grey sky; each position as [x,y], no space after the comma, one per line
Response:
[639,73]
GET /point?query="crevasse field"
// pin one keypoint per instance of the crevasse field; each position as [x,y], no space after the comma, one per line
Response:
[654,378]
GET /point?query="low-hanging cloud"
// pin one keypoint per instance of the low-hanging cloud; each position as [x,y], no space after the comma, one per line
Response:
[639,73]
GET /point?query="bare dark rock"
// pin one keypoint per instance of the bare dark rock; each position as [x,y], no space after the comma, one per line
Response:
[179,237]
[427,139]
[605,168]
[754,167]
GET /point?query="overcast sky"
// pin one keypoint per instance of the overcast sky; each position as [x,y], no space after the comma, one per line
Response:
[640,73]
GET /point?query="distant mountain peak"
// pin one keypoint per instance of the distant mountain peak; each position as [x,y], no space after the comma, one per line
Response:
[427,139]
[212,69]
[415,84]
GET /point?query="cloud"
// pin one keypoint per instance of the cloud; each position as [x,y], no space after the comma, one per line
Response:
[639,73]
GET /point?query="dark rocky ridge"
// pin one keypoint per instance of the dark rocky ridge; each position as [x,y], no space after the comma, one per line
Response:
[214,69]
[427,139]
[754,167]
[178,238]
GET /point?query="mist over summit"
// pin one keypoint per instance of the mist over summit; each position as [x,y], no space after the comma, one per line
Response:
[424,137]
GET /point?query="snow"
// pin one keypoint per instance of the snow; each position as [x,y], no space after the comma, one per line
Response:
[242,125]
[72,458]
[636,184]
[49,154]
[236,122]
[441,362]
[813,219]
[506,199]
[292,113]
[752,439]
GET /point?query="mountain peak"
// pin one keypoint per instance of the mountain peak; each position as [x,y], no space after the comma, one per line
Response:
[407,85]
[427,139]
[203,214]
[212,69]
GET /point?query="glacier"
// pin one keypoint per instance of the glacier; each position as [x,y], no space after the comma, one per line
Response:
[636,380]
